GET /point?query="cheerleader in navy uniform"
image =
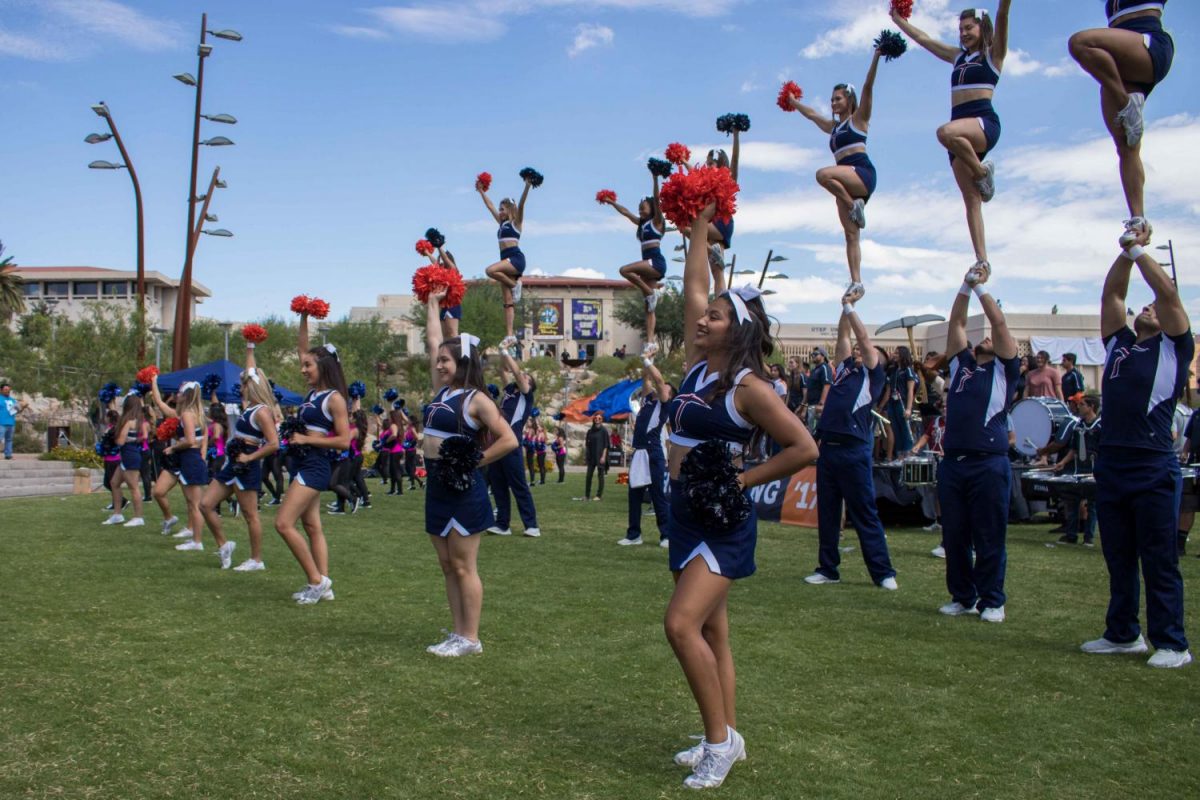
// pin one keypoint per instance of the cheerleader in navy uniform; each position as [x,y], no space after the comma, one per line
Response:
[648,468]
[127,435]
[253,438]
[719,234]
[726,397]
[647,274]
[451,317]
[189,447]
[508,270]
[974,127]
[168,475]
[1128,58]
[454,515]
[852,180]
[326,422]
[507,474]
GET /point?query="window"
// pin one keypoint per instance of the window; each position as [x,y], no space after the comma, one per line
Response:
[87,289]
[55,289]
[116,288]
[31,288]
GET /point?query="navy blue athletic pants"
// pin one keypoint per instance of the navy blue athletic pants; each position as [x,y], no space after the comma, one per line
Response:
[658,497]
[505,475]
[844,474]
[973,491]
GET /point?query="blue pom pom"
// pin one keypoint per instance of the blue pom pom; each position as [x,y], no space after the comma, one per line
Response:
[537,412]
[435,237]
[659,167]
[891,45]
[358,389]
[391,394]
[399,404]
[211,382]
[533,176]
[493,390]
[376,409]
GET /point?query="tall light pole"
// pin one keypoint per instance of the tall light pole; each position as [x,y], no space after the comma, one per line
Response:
[1170,248]
[183,307]
[226,327]
[158,332]
[771,259]
[102,111]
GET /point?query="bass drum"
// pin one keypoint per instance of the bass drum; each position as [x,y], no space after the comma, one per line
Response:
[1036,421]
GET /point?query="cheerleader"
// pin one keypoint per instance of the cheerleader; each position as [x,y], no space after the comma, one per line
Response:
[109,450]
[1128,59]
[647,469]
[453,517]
[410,453]
[146,472]
[539,450]
[560,453]
[382,447]
[852,180]
[218,428]
[507,474]
[508,270]
[647,274]
[186,451]
[326,429]
[396,424]
[129,437]
[252,438]
[974,127]
[726,397]
[719,235]
[450,317]
[529,444]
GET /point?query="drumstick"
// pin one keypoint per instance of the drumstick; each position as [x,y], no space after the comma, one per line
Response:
[1029,442]
[880,417]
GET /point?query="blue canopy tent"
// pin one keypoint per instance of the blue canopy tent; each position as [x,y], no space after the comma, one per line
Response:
[231,376]
[613,402]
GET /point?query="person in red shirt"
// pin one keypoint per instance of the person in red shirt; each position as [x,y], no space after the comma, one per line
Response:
[1045,380]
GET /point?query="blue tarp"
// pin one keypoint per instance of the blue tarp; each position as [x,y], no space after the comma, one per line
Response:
[614,401]
[231,376]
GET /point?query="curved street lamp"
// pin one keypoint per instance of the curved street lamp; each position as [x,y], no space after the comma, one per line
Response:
[100,164]
[227,119]
[217,141]
[218,232]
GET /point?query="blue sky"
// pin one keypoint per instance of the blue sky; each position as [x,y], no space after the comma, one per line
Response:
[360,126]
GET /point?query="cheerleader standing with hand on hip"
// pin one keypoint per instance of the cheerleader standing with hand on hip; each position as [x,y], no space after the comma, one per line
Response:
[974,127]
[725,398]
[647,273]
[128,435]
[326,430]
[508,270]
[1128,58]
[457,508]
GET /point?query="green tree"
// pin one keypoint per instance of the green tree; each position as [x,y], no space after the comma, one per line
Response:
[483,313]
[668,325]
[12,294]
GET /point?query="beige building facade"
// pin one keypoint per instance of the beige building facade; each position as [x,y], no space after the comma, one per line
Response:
[68,290]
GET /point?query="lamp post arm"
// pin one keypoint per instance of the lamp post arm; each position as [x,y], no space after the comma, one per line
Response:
[141,238]
[183,310]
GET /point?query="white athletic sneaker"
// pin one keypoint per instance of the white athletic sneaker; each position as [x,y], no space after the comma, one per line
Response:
[987,184]
[136,522]
[459,646]
[649,352]
[858,213]
[186,533]
[168,524]
[957,609]
[533,533]
[1132,118]
[250,565]
[190,546]
[938,552]
[1103,646]
[516,292]
[933,527]
[855,291]
[497,531]
[1134,227]
[115,519]
[817,579]
[314,593]
[691,757]
[226,554]
[652,300]
[450,637]
[664,543]
[1170,659]
[889,584]
[626,542]
[992,614]
[715,765]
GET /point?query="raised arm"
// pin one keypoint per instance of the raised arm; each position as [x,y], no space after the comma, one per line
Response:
[1003,342]
[520,220]
[811,114]
[302,338]
[447,258]
[1172,317]
[870,354]
[660,385]
[956,327]
[843,348]
[510,364]
[733,156]
[433,331]
[696,275]
[945,52]
[166,410]
[1112,300]
[487,201]
[623,211]
[1000,35]
[659,221]
[866,99]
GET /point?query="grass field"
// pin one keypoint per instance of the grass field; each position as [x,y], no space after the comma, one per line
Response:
[133,671]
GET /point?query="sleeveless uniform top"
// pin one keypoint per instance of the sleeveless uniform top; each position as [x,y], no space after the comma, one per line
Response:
[973,71]
[314,412]
[647,427]
[1140,386]
[1119,8]
[852,394]
[694,421]
[648,234]
[443,415]
[515,408]
[134,436]
[410,440]
[977,404]
[845,136]
[246,428]
[508,231]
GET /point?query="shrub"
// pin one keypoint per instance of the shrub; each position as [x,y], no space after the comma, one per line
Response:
[78,456]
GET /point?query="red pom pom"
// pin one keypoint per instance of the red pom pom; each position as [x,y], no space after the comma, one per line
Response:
[424,248]
[790,90]
[678,153]
[903,7]
[318,308]
[146,374]
[255,334]
[484,180]
[606,196]
[430,277]
[300,304]
[686,194]
[167,429]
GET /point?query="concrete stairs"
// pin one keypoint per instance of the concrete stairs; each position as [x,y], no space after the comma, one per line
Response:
[28,477]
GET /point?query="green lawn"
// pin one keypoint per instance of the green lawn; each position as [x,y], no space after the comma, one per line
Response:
[133,671]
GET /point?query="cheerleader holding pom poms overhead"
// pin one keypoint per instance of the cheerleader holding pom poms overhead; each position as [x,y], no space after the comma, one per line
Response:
[184,454]
[510,217]
[974,127]
[1128,58]
[646,274]
[321,429]
[451,312]
[719,234]
[253,438]
[852,180]
[726,399]
[457,507]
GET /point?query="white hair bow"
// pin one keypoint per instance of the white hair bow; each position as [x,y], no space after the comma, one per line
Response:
[739,296]
[252,374]
[979,13]
[469,343]
[189,385]
[851,90]
[329,348]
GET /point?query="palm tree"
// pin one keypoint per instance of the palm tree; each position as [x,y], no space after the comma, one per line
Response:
[12,296]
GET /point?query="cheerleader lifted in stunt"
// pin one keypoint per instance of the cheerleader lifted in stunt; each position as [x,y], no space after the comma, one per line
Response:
[974,126]
[508,270]
[1128,59]
[646,275]
[852,180]
[451,317]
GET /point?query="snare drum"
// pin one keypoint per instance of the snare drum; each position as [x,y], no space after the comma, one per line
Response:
[1036,421]
[919,472]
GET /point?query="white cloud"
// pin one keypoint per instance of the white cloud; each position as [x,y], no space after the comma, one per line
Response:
[32,48]
[443,23]
[856,23]
[749,86]
[71,29]
[1019,63]
[764,156]
[583,272]
[359,32]
[588,36]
